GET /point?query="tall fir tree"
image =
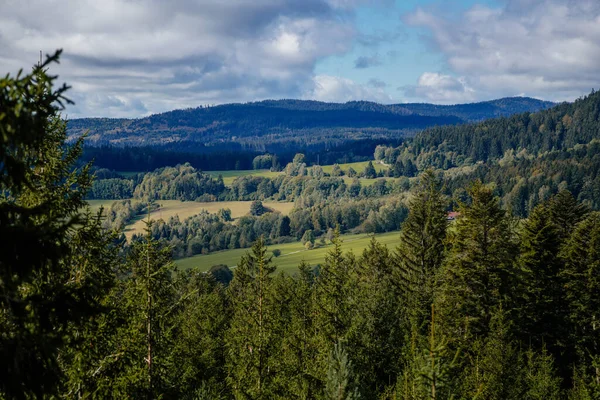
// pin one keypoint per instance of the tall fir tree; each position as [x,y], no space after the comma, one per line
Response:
[540,313]
[581,277]
[199,350]
[566,212]
[50,279]
[340,380]
[333,287]
[478,274]
[421,251]
[299,376]
[145,326]
[249,340]
[376,327]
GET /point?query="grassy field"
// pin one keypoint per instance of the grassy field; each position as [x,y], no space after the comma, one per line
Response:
[291,253]
[96,204]
[357,166]
[185,209]
[229,176]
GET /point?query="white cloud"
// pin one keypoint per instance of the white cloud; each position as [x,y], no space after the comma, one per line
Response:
[340,90]
[132,57]
[543,48]
[440,88]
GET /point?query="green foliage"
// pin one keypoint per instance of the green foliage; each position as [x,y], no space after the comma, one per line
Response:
[264,161]
[421,251]
[336,171]
[182,182]
[541,312]
[250,338]
[52,284]
[225,214]
[257,208]
[199,349]
[581,277]
[369,171]
[339,376]
[540,377]
[113,188]
[477,275]
[141,347]
[376,324]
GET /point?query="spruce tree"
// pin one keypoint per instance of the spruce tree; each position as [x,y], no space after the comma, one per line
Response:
[139,362]
[333,293]
[340,384]
[376,327]
[581,276]
[540,312]
[492,366]
[541,378]
[421,250]
[249,340]
[295,297]
[201,326]
[50,279]
[566,212]
[332,287]
[478,274]
[369,171]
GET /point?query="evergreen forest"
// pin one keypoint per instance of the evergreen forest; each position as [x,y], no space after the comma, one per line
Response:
[501,302]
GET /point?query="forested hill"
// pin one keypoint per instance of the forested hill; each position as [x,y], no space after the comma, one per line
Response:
[558,128]
[528,156]
[248,124]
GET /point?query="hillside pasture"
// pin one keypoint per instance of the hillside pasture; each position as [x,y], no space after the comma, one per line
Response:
[291,253]
[185,209]
[230,176]
[357,166]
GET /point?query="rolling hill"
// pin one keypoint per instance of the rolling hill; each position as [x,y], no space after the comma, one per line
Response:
[282,120]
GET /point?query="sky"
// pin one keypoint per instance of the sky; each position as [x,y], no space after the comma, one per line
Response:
[132,58]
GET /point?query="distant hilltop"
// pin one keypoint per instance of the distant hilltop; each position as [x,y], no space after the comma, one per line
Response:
[249,124]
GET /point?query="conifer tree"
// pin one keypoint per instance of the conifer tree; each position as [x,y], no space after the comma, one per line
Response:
[295,297]
[541,378]
[581,277]
[376,327]
[492,365]
[369,171]
[478,273]
[199,351]
[144,333]
[332,287]
[250,341]
[436,373]
[566,212]
[541,311]
[340,384]
[421,250]
[50,280]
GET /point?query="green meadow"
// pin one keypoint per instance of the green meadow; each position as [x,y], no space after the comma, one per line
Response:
[357,166]
[229,176]
[292,254]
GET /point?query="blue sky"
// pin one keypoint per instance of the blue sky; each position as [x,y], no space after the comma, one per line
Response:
[130,58]
[402,59]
